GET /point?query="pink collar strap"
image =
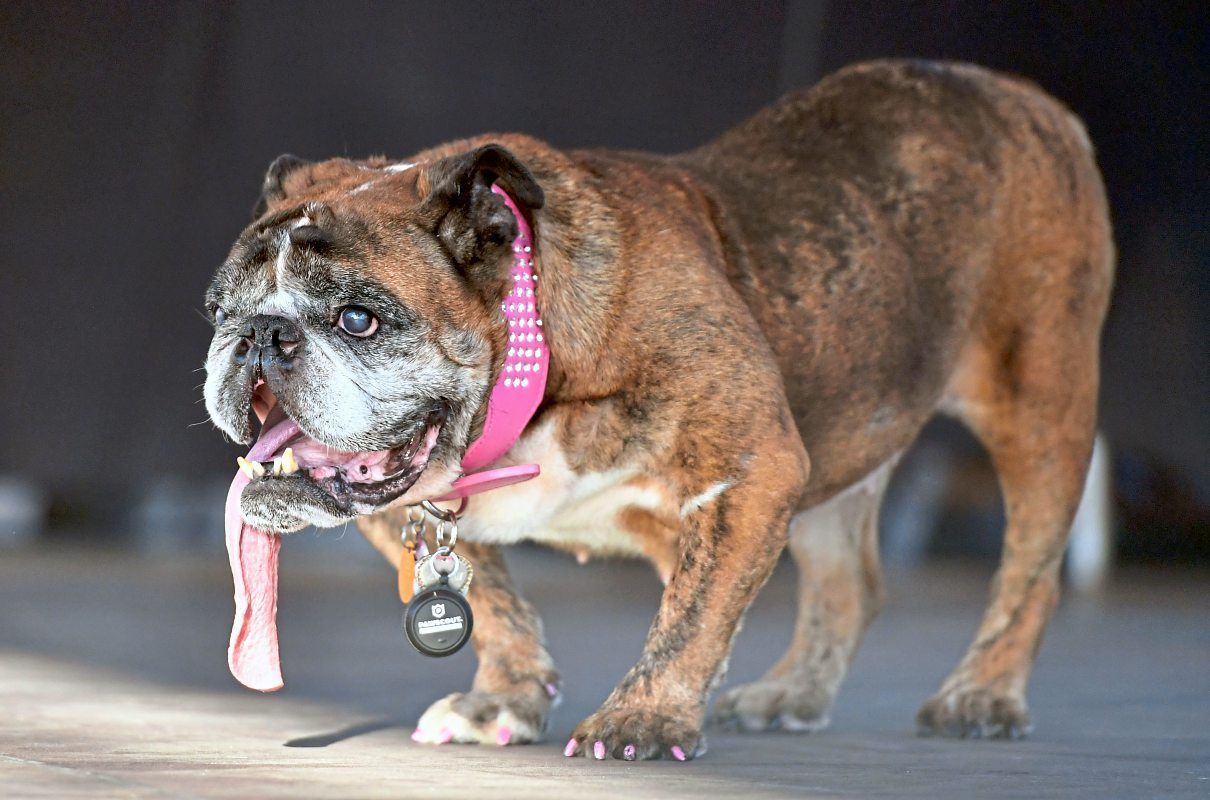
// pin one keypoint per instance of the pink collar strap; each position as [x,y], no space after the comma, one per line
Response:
[522,382]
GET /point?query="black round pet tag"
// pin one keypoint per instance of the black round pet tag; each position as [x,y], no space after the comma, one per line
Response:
[438,622]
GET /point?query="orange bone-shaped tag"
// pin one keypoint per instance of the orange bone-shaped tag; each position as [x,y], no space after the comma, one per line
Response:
[407,570]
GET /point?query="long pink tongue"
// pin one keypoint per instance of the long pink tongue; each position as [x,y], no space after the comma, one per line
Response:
[252,654]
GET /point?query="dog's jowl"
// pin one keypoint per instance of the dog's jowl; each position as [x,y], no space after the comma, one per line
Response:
[741,341]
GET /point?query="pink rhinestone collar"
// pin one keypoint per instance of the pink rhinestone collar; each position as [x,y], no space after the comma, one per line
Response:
[522,382]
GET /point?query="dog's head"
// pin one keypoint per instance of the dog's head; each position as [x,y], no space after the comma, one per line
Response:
[357,323]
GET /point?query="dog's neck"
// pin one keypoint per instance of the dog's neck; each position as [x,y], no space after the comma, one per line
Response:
[521,384]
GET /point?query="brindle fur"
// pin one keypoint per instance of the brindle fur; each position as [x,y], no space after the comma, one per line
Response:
[904,238]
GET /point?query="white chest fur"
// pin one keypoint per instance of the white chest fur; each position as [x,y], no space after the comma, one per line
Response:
[581,510]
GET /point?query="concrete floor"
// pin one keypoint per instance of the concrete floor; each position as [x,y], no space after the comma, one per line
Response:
[113,683]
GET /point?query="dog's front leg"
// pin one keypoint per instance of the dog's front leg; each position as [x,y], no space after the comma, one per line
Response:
[728,547]
[516,684]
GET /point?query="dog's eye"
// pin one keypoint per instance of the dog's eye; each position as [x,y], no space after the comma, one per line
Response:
[356,321]
[220,316]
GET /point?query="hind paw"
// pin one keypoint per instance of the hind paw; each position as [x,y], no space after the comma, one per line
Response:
[774,704]
[974,712]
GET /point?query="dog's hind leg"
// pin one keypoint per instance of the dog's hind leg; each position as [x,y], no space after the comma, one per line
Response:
[835,546]
[516,684]
[1027,387]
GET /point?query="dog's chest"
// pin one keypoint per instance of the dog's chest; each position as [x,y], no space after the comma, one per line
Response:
[580,510]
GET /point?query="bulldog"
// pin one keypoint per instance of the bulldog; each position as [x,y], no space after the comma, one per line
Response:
[742,339]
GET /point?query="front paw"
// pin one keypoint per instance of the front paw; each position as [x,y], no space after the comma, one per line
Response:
[632,734]
[486,718]
[974,712]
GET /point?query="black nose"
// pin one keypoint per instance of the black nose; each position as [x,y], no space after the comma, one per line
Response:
[270,341]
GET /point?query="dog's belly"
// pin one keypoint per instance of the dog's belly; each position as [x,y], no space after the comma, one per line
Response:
[581,511]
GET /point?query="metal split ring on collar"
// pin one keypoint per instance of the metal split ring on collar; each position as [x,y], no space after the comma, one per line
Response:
[447,523]
[446,535]
[413,531]
[441,513]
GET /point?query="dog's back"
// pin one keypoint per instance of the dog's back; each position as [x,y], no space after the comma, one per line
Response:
[878,220]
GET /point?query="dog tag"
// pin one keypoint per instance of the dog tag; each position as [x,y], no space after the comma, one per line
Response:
[438,621]
[438,617]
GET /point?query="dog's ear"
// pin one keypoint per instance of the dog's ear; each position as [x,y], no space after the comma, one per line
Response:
[273,188]
[472,222]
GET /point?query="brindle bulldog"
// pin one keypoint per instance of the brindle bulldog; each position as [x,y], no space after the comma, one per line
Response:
[742,341]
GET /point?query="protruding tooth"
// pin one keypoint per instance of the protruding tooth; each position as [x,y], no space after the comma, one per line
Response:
[252,469]
[288,464]
[276,468]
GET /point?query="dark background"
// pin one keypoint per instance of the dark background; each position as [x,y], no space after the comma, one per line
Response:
[133,138]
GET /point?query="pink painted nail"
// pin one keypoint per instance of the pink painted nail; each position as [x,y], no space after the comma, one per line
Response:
[504,735]
[628,752]
[598,750]
[570,750]
[445,735]
[678,753]
[551,689]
